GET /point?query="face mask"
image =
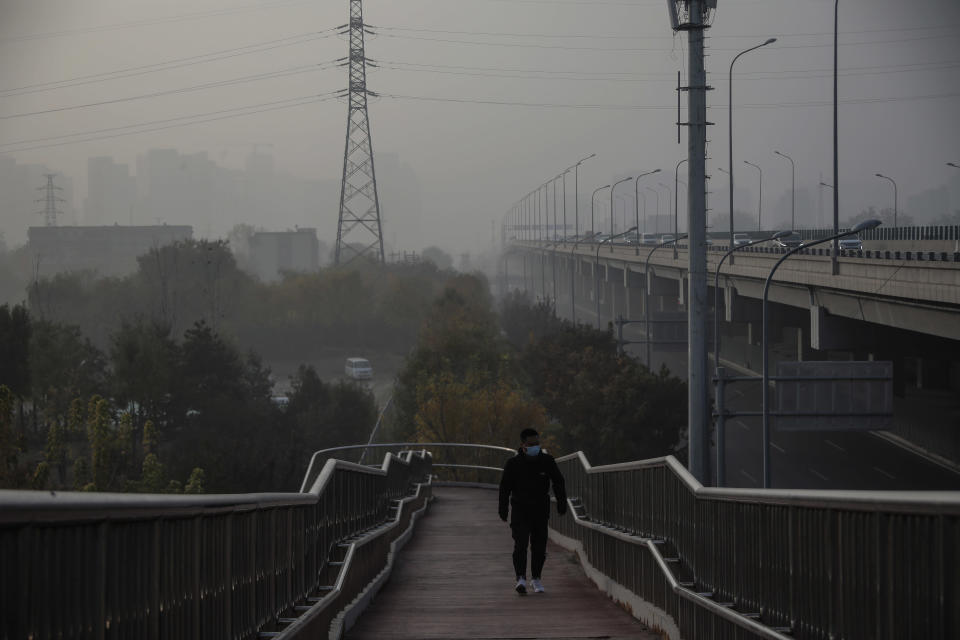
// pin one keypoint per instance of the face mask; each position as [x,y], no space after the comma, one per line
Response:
[533,450]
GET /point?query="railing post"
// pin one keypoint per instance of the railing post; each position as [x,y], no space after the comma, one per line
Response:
[101,586]
[197,588]
[154,620]
[721,427]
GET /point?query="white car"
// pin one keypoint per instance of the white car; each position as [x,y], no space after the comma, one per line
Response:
[740,239]
[851,243]
[358,369]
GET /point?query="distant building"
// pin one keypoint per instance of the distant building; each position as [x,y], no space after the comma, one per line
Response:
[273,252]
[110,251]
[111,193]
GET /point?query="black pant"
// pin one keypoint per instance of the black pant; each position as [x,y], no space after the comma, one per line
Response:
[529,529]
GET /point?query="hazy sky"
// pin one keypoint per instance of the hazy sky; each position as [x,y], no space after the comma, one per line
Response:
[602,72]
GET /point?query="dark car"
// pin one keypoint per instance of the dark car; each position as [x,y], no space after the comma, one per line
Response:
[790,241]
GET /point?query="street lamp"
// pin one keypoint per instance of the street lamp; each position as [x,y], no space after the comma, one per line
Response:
[646,289]
[596,268]
[895,198]
[637,196]
[656,219]
[721,441]
[760,202]
[576,195]
[612,189]
[730,126]
[593,224]
[676,196]
[793,189]
[866,225]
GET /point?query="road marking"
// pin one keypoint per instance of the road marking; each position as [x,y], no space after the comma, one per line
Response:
[835,445]
[774,445]
[819,475]
[752,479]
[889,475]
[740,424]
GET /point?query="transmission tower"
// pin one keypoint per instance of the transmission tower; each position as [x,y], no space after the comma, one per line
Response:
[50,211]
[359,231]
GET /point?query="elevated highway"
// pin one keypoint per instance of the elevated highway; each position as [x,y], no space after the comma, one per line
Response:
[891,305]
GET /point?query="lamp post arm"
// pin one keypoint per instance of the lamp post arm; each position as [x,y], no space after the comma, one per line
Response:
[765,392]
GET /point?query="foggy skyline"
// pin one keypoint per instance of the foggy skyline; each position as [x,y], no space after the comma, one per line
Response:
[607,70]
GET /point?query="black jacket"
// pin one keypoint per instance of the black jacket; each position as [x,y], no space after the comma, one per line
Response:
[525,485]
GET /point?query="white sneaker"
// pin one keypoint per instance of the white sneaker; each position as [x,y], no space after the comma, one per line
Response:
[521,585]
[537,585]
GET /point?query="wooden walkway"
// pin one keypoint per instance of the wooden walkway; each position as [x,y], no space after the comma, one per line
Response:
[454,579]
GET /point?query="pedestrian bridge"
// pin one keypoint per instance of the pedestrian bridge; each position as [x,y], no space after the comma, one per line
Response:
[412,548]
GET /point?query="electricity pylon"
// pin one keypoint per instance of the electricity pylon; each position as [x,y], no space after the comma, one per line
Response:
[50,211]
[359,230]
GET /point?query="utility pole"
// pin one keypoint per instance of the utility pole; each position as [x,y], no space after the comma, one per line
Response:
[50,200]
[692,16]
[359,202]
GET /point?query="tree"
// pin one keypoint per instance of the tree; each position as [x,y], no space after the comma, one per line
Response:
[439,257]
[144,359]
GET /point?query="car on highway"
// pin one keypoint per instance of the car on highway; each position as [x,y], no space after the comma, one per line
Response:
[358,369]
[851,243]
[789,241]
[668,237]
[648,239]
[740,239]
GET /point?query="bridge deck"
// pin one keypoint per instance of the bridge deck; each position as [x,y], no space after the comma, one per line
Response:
[454,579]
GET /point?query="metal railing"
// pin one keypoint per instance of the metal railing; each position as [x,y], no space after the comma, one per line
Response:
[77,565]
[457,462]
[738,563]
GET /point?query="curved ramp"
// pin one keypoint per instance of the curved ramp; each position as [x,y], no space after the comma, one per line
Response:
[455,580]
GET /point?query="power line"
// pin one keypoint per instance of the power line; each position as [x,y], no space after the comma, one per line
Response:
[168,64]
[578,76]
[636,49]
[614,107]
[221,114]
[209,85]
[635,36]
[152,21]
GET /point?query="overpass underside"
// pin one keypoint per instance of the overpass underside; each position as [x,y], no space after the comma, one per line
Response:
[887,310]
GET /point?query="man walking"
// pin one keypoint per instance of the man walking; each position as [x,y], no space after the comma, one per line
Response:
[525,485]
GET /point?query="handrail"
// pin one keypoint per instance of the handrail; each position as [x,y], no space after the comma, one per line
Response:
[307,477]
[164,566]
[769,561]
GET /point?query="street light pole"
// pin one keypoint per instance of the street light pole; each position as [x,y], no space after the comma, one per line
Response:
[793,190]
[656,220]
[834,264]
[593,224]
[612,189]
[765,392]
[676,197]
[637,196]
[646,290]
[721,439]
[596,268]
[760,200]
[730,127]
[576,195]
[895,196]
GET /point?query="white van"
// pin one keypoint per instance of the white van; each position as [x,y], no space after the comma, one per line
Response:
[358,369]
